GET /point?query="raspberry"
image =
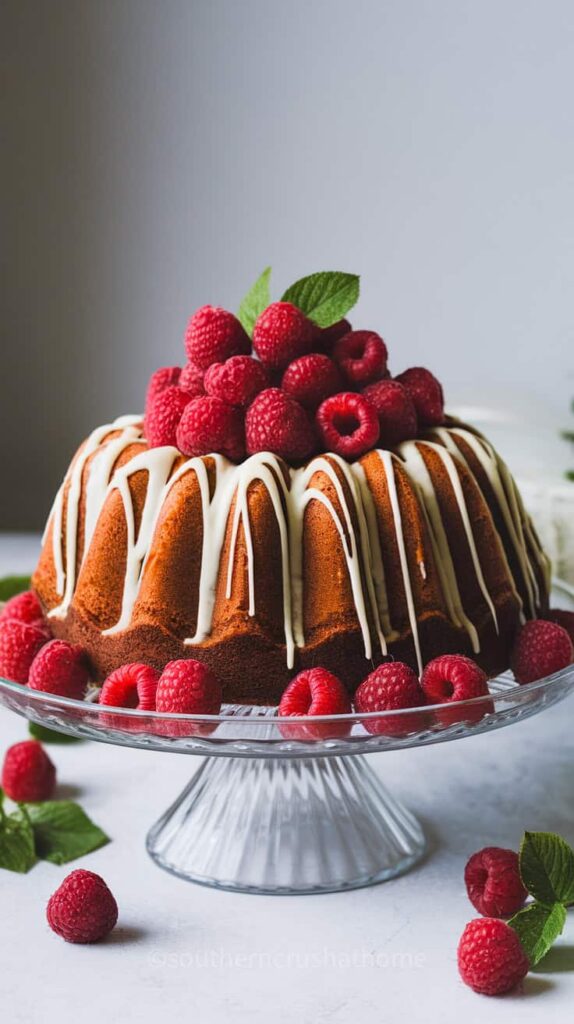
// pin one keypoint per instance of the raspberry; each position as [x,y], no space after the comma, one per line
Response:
[282,333]
[28,774]
[329,335]
[315,692]
[490,958]
[275,422]
[187,687]
[311,379]
[191,380]
[24,607]
[210,425]
[19,645]
[347,424]
[131,686]
[452,678]
[426,394]
[493,882]
[362,356]
[236,381]
[390,687]
[163,416]
[396,412]
[213,335]
[83,908]
[165,377]
[541,648]
[62,668]
[558,615]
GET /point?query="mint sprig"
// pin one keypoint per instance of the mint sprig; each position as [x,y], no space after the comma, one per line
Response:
[325,297]
[257,299]
[547,871]
[40,732]
[57,831]
[12,585]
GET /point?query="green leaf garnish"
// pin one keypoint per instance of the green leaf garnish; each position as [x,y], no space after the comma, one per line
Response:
[63,831]
[17,852]
[325,297]
[12,585]
[547,867]
[538,927]
[40,732]
[257,299]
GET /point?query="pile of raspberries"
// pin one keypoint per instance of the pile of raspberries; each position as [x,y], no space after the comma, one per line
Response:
[295,390]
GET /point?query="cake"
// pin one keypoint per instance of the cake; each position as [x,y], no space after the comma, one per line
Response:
[266,565]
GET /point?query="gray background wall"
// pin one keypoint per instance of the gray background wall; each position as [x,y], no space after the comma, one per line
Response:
[158,154]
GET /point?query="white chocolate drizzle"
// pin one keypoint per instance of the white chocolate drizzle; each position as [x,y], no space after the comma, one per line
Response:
[224,497]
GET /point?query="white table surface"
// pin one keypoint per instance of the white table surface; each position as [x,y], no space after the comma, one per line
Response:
[372,956]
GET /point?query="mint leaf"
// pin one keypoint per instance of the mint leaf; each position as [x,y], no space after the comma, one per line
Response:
[17,851]
[538,927]
[62,831]
[40,732]
[11,585]
[257,299]
[324,297]
[547,867]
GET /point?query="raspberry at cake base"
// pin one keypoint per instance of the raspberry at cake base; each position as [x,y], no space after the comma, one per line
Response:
[275,562]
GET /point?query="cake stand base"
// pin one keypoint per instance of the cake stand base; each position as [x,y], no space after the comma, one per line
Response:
[286,826]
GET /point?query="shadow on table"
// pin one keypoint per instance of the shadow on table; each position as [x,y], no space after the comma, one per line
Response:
[558,960]
[126,935]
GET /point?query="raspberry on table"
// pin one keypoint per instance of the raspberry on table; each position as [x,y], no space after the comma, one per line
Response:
[165,377]
[282,333]
[276,423]
[210,425]
[391,687]
[213,335]
[163,416]
[451,678]
[311,379]
[82,909]
[493,882]
[426,394]
[191,380]
[131,686]
[61,668]
[28,774]
[362,356]
[348,424]
[329,335]
[541,648]
[19,645]
[491,959]
[24,607]
[237,381]
[395,410]
[315,691]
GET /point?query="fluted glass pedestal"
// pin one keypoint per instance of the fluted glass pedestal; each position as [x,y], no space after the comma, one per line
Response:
[286,826]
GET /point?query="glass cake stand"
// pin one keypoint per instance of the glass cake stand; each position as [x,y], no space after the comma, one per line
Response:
[288,806]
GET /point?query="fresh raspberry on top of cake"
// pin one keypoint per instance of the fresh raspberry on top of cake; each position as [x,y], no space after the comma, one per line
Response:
[347,424]
[210,425]
[162,418]
[165,377]
[395,410]
[191,380]
[237,381]
[282,333]
[329,335]
[311,379]
[426,393]
[276,423]
[541,649]
[362,356]
[213,335]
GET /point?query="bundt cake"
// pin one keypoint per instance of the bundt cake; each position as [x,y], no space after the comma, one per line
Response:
[259,569]
[355,522]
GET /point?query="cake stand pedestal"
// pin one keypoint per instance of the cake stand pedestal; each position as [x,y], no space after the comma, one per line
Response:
[284,826]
